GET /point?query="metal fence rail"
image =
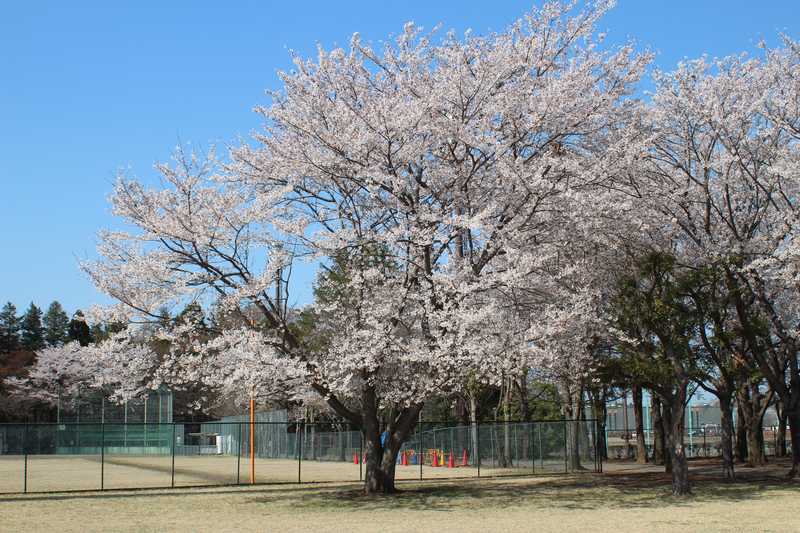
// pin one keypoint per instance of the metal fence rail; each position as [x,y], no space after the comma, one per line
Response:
[88,456]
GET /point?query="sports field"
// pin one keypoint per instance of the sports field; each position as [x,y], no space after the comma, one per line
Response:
[47,473]
[626,499]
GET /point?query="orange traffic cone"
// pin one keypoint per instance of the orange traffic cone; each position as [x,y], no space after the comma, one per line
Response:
[464,458]
[404,459]
[435,458]
[450,462]
[355,458]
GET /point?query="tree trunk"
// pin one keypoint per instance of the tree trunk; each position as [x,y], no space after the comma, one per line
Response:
[625,427]
[380,459]
[641,446]
[726,442]
[571,405]
[379,464]
[794,431]
[574,430]
[599,413]
[755,443]
[741,434]
[753,404]
[657,429]
[677,451]
[473,418]
[524,407]
[375,481]
[780,437]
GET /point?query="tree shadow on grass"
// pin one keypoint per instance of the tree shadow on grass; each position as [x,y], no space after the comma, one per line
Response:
[612,490]
[584,492]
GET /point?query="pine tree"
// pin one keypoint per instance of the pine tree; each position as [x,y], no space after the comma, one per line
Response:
[9,328]
[100,332]
[56,324]
[79,330]
[32,331]
[192,315]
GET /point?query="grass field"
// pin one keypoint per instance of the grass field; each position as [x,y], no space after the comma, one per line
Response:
[621,500]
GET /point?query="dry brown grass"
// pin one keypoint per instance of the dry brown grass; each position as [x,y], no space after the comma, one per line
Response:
[619,501]
[47,473]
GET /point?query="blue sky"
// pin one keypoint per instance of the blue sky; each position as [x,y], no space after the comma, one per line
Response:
[88,88]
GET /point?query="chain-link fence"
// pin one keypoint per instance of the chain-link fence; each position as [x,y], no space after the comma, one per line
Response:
[91,456]
[705,441]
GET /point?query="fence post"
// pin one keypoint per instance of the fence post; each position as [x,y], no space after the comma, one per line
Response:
[102,455]
[478,445]
[301,427]
[566,448]
[172,481]
[597,447]
[531,426]
[541,449]
[239,454]
[421,454]
[596,430]
[252,441]
[360,455]
[452,443]
[604,449]
[25,453]
[491,440]
[435,450]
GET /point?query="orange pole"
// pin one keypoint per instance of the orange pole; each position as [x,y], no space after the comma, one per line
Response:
[252,441]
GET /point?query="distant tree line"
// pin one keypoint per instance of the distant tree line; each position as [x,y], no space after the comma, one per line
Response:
[23,335]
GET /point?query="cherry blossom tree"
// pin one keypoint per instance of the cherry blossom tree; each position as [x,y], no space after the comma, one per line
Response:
[120,369]
[449,156]
[722,176]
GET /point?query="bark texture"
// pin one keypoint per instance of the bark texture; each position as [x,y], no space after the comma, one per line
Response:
[571,406]
[794,429]
[380,459]
[677,450]
[638,413]
[753,404]
[741,435]
[780,436]
[726,439]
[658,430]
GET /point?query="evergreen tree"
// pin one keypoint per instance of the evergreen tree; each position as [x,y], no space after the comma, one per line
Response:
[79,330]
[32,331]
[56,324]
[101,332]
[192,315]
[98,332]
[9,328]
